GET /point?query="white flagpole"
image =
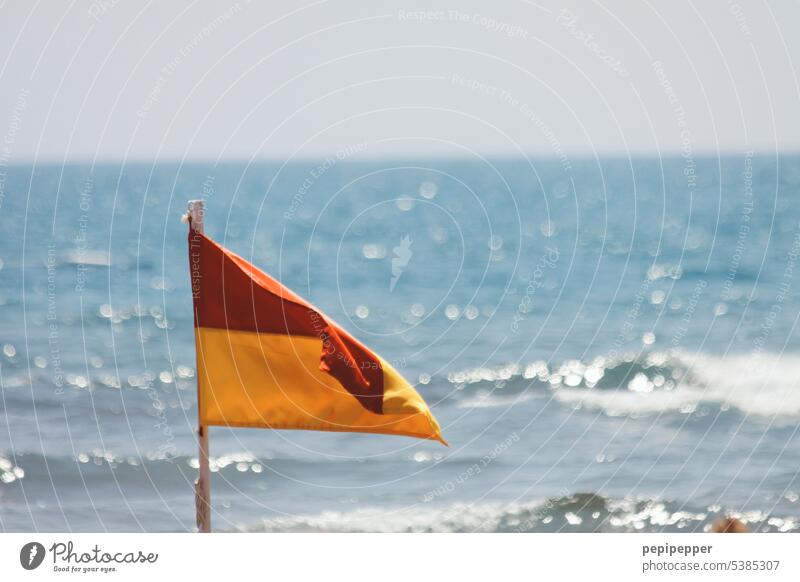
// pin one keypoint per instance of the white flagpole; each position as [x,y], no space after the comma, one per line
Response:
[202,487]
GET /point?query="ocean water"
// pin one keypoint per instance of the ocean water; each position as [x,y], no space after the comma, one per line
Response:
[609,345]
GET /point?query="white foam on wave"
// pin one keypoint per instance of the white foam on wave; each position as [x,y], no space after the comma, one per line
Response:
[757,384]
[581,512]
[760,384]
[489,399]
[623,402]
[455,518]
[766,385]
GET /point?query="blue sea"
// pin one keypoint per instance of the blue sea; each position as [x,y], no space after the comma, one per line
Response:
[609,345]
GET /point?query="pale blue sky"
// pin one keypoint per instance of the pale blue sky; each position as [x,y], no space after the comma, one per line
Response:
[201,80]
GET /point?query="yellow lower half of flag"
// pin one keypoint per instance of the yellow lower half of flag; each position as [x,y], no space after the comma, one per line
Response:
[262,380]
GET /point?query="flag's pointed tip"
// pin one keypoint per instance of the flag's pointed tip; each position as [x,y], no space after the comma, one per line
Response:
[439,438]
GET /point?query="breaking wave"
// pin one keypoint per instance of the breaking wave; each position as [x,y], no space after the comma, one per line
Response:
[583,512]
[763,385]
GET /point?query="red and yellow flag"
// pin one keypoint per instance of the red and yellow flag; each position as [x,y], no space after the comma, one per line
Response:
[266,358]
